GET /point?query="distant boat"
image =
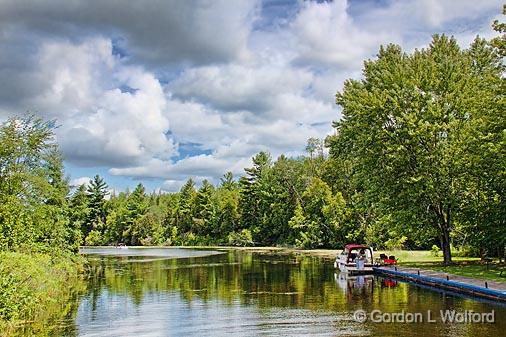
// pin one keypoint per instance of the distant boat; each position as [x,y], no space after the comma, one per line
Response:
[355,259]
[121,245]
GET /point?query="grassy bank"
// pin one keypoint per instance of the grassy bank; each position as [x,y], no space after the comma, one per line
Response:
[36,290]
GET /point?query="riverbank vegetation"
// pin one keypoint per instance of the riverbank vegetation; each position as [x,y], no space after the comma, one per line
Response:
[39,269]
[417,161]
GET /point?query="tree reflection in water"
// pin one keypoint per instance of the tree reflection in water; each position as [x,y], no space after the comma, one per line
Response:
[249,293]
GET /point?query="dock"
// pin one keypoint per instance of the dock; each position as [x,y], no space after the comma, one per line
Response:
[460,284]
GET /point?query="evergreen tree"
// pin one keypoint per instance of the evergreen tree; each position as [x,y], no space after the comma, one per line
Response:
[204,221]
[254,201]
[96,191]
[186,207]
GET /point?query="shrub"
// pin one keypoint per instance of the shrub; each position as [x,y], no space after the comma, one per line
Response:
[38,288]
[434,251]
[94,238]
[243,238]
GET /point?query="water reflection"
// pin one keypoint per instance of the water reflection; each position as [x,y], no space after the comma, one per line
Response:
[355,285]
[246,294]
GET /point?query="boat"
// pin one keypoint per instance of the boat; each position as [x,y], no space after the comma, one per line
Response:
[355,259]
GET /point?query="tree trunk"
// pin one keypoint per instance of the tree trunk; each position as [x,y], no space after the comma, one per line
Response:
[444,225]
[445,246]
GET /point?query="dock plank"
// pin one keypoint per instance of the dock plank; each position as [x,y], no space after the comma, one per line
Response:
[479,287]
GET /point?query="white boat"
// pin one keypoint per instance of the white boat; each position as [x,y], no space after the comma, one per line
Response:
[355,259]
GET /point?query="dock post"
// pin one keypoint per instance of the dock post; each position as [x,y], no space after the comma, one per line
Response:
[486,284]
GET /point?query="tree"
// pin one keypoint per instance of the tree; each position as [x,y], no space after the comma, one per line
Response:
[227,181]
[33,188]
[406,123]
[204,221]
[483,213]
[254,201]
[136,208]
[96,191]
[185,207]
[500,41]
[314,148]
[228,213]
[78,209]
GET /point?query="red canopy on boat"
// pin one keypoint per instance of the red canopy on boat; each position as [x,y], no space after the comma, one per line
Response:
[352,246]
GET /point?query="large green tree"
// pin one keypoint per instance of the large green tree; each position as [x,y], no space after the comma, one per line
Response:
[407,124]
[33,188]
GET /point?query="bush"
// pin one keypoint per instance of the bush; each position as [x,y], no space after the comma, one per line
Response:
[37,288]
[434,251]
[465,251]
[94,238]
[243,238]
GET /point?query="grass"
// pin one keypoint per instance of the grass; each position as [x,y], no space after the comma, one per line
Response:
[35,290]
[463,266]
[469,268]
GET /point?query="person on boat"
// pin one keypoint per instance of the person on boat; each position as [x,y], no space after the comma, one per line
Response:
[361,255]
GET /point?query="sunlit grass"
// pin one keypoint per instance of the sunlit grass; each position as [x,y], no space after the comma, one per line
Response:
[463,266]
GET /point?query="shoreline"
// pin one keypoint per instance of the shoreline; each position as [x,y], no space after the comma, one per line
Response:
[322,253]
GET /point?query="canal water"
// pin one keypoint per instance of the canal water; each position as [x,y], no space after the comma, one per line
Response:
[182,292]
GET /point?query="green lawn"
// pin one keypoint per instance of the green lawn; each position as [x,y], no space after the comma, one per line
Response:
[464,266]
[471,269]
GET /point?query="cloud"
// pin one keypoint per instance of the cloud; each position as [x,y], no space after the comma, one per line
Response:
[79,85]
[171,185]
[153,32]
[236,87]
[200,165]
[171,89]
[80,181]
[326,34]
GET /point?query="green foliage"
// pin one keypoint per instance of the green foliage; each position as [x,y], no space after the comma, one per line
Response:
[500,41]
[33,189]
[204,221]
[434,251]
[37,287]
[419,112]
[396,243]
[244,238]
[96,192]
[94,238]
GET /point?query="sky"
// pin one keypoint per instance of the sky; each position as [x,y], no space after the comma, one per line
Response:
[157,91]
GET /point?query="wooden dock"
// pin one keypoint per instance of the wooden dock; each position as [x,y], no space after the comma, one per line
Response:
[460,284]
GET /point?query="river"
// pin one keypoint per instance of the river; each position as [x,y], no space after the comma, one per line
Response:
[181,292]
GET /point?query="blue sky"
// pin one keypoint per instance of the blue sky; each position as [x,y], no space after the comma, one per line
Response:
[159,91]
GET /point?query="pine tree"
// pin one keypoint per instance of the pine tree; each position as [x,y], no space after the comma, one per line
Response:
[96,191]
